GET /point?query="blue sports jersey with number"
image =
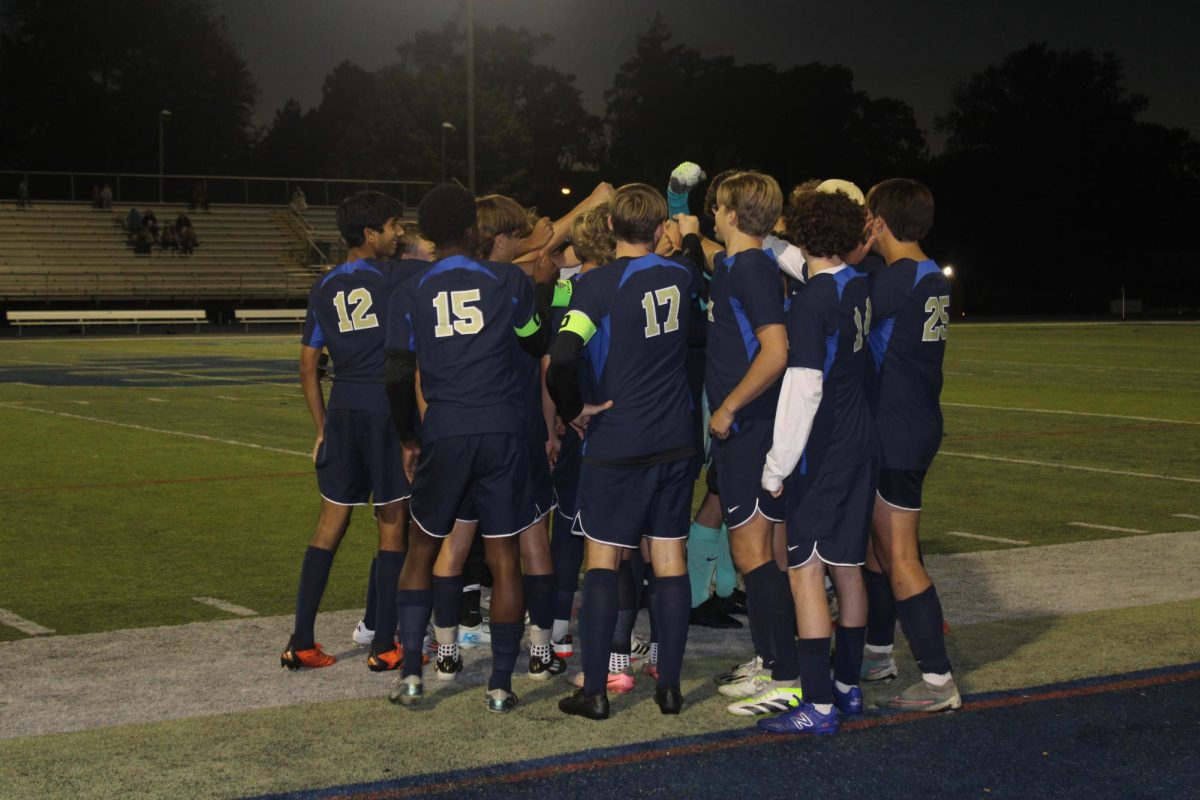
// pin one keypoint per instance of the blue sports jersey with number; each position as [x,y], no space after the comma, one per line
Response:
[462,318]
[910,304]
[746,293]
[633,314]
[827,330]
[346,311]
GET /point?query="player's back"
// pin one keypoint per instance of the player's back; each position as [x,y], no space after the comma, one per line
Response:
[911,306]
[638,355]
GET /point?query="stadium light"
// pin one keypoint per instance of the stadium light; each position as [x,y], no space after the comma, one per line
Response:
[162,115]
[948,271]
[566,190]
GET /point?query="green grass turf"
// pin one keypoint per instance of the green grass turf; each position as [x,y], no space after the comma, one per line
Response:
[317,745]
[96,537]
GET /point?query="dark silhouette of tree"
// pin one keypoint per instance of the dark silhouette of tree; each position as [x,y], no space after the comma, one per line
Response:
[82,85]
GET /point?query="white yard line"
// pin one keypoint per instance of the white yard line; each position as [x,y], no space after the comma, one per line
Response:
[1075,467]
[148,429]
[1187,516]
[1000,539]
[1073,413]
[230,608]
[23,625]
[1105,527]
[1091,367]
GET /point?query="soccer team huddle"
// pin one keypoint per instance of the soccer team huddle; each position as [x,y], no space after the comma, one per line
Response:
[492,373]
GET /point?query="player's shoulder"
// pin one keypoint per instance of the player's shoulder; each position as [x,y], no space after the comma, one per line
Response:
[360,270]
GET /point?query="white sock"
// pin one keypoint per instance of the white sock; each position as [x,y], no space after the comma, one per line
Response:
[540,651]
[936,678]
[823,708]
[880,649]
[841,687]
[446,637]
[539,636]
[559,630]
[618,662]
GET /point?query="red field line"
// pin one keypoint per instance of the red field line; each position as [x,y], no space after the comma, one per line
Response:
[157,482]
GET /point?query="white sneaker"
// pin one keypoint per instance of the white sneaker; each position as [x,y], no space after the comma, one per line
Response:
[638,648]
[740,671]
[473,636]
[362,634]
[747,686]
[772,698]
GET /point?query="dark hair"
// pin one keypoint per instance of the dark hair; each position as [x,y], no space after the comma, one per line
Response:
[636,211]
[365,210]
[447,216]
[905,205]
[824,224]
[710,194]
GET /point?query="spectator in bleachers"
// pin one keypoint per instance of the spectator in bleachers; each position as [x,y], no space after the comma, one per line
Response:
[199,196]
[150,223]
[169,240]
[187,240]
[143,242]
[299,203]
[182,222]
[106,197]
[133,223]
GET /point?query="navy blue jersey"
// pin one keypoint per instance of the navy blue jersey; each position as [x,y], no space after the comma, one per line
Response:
[910,302]
[346,309]
[746,294]
[459,317]
[397,271]
[827,328]
[633,315]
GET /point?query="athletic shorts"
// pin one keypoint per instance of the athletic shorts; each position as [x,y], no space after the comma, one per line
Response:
[541,486]
[491,470]
[360,460]
[901,488]
[620,505]
[829,516]
[566,475]
[739,461]
[710,477]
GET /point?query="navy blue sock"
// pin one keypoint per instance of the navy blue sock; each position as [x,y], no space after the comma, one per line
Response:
[539,600]
[673,598]
[760,636]
[814,670]
[788,610]
[848,654]
[600,600]
[369,611]
[447,597]
[627,599]
[506,642]
[314,574]
[921,616]
[388,564]
[414,616]
[652,591]
[566,551]
[881,609]
[638,569]
[768,587]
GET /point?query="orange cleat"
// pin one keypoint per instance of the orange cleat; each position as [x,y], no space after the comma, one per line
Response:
[945,628]
[314,658]
[386,661]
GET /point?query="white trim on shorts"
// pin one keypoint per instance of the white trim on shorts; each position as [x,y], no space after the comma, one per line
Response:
[522,529]
[821,559]
[345,505]
[543,514]
[426,530]
[893,505]
[389,502]
[579,521]
[756,510]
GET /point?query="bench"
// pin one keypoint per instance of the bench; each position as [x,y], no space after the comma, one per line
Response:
[84,318]
[249,315]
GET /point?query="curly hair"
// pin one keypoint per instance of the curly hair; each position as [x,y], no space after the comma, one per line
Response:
[590,235]
[824,224]
[447,216]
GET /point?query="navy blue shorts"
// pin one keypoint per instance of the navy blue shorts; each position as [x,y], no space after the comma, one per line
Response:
[491,470]
[620,505]
[829,516]
[360,460]
[540,483]
[901,488]
[566,475]
[739,461]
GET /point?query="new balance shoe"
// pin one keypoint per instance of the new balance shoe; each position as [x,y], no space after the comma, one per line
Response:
[474,635]
[849,702]
[447,667]
[772,698]
[362,634]
[925,696]
[386,661]
[565,647]
[407,690]
[312,658]
[739,671]
[500,701]
[802,719]
[541,669]
[878,667]
[618,682]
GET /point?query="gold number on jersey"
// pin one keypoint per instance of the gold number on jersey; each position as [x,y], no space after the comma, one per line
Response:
[938,324]
[467,318]
[360,317]
[863,323]
[668,297]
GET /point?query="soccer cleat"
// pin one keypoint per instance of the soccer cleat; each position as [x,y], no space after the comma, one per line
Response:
[734,604]
[669,699]
[739,671]
[650,669]
[362,634]
[447,667]
[407,690]
[474,635]
[541,669]
[582,705]
[772,698]
[709,615]
[565,647]
[802,719]
[685,177]
[618,682]
[925,696]
[850,702]
[500,701]
[945,628]
[312,658]
[638,648]
[386,661]
[878,667]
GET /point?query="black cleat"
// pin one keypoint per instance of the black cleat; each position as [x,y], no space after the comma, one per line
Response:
[735,603]
[542,669]
[709,615]
[669,700]
[582,705]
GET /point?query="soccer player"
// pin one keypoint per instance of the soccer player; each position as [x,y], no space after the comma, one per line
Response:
[356,451]
[910,300]
[463,324]
[635,480]
[823,449]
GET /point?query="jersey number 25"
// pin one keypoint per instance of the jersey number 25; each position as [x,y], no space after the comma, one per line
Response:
[938,323]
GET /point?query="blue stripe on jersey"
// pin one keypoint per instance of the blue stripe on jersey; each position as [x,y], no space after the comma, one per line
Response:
[647,262]
[831,343]
[879,338]
[924,268]
[348,268]
[743,322]
[457,262]
[317,340]
[842,277]
[597,347]
[412,337]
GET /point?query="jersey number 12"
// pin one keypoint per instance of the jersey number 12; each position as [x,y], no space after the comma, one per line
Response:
[358,319]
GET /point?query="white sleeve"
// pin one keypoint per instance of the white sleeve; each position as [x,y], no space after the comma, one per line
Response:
[799,398]
[789,257]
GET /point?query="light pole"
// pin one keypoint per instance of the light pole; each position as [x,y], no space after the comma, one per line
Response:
[162,115]
[446,128]
[471,95]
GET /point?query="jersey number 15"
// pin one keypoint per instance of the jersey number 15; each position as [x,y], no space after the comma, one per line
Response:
[467,318]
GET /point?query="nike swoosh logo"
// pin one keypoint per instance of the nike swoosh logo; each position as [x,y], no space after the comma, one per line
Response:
[790,549]
[731,510]
[714,558]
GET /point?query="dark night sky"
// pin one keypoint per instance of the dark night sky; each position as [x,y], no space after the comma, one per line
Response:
[915,51]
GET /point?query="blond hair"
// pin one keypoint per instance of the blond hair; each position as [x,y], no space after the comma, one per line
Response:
[496,214]
[755,197]
[590,236]
[636,212]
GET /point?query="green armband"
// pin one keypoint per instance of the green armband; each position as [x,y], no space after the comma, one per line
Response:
[578,323]
[562,293]
[529,328]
